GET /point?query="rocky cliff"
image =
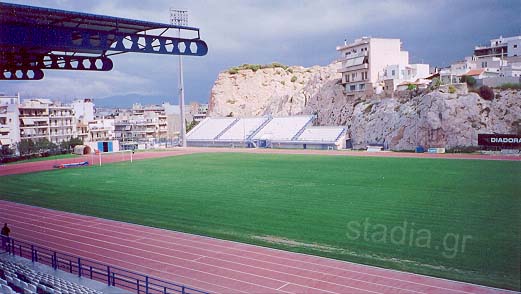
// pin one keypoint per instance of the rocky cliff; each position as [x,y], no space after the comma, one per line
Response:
[430,119]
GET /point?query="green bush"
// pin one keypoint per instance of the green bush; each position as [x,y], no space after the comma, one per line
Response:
[436,83]
[290,70]
[279,65]
[191,125]
[486,93]
[469,80]
[368,109]
[411,87]
[293,79]
[256,67]
[452,89]
[512,86]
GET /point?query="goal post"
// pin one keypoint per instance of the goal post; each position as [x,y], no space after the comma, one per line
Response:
[115,156]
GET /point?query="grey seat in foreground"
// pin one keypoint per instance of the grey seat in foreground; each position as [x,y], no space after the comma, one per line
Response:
[36,282]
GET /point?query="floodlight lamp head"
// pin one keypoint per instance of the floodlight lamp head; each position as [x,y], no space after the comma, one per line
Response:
[178,17]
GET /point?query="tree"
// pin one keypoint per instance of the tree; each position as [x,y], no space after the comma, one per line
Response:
[69,145]
[44,146]
[191,125]
[471,81]
[26,147]
[6,151]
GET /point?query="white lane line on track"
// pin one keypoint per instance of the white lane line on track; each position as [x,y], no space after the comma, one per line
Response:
[283,286]
[191,239]
[142,266]
[342,285]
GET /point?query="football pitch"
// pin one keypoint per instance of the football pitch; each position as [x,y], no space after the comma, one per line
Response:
[456,219]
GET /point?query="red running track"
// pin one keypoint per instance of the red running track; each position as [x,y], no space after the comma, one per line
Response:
[35,166]
[210,264]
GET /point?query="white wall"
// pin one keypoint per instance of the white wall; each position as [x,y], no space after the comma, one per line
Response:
[83,109]
[514,47]
[384,52]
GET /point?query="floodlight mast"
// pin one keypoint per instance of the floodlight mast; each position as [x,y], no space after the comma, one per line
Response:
[180,18]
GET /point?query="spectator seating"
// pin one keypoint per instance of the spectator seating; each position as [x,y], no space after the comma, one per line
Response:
[321,134]
[283,128]
[210,128]
[16,278]
[243,129]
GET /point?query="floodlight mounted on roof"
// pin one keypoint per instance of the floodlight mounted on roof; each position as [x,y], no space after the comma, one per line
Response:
[33,39]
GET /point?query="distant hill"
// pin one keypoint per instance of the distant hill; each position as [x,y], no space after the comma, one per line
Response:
[126,101]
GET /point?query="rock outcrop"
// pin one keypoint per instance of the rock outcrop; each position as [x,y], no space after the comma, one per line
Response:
[431,119]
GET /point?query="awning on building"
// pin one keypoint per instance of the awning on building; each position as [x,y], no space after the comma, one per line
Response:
[354,61]
[28,121]
[5,141]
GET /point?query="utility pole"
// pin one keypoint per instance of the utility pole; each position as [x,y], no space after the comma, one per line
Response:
[180,18]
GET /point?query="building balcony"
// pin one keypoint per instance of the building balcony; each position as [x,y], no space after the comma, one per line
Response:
[61,126]
[61,116]
[34,127]
[34,136]
[353,68]
[43,117]
[354,55]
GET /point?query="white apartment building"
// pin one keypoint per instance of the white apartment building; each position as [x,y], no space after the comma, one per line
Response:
[101,129]
[141,127]
[511,70]
[9,121]
[502,58]
[84,114]
[364,62]
[500,47]
[34,119]
[83,110]
[396,75]
[62,124]
[44,119]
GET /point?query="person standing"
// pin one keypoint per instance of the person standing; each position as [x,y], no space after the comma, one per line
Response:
[5,235]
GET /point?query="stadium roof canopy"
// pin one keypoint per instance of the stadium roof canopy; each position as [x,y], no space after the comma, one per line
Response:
[33,39]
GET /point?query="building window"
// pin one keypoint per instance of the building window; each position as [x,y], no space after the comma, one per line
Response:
[361,87]
[515,45]
[393,72]
[484,64]
[347,78]
[352,88]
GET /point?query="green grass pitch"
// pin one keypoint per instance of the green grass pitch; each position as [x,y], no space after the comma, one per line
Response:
[456,219]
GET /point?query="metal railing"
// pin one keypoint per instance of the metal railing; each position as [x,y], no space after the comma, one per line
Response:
[82,267]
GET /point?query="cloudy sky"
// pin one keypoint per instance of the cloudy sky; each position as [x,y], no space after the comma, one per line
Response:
[292,32]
